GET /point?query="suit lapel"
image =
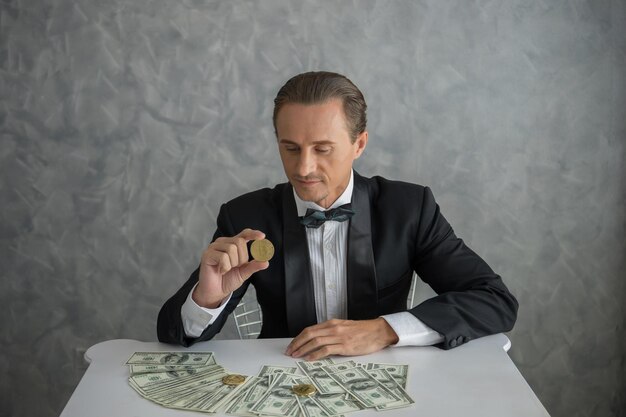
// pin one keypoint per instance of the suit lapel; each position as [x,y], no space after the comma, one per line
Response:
[361,279]
[299,299]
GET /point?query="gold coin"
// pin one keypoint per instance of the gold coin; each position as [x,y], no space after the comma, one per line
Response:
[303,390]
[233,379]
[262,250]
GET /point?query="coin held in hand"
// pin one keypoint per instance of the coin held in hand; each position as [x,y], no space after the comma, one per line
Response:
[233,379]
[303,390]
[262,250]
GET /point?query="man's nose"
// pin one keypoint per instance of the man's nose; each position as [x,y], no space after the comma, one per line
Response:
[306,163]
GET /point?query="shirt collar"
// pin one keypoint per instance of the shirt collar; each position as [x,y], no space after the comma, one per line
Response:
[344,198]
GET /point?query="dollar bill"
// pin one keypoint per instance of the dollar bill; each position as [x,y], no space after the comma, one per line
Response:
[399,372]
[257,390]
[187,390]
[330,404]
[304,365]
[146,369]
[241,405]
[161,386]
[382,376]
[191,398]
[170,358]
[341,366]
[204,391]
[310,408]
[220,397]
[279,400]
[270,371]
[337,404]
[156,380]
[194,381]
[358,382]
[148,381]
[273,370]
[319,377]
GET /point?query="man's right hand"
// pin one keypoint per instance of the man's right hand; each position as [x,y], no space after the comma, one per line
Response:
[224,268]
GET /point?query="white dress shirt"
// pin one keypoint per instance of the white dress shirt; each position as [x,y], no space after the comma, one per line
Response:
[327,253]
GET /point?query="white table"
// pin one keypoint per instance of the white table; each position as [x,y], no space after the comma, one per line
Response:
[476,379]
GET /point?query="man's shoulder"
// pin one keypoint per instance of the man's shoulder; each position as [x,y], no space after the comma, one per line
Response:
[260,210]
[382,189]
[396,203]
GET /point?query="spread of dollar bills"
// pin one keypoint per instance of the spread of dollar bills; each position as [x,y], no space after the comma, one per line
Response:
[195,381]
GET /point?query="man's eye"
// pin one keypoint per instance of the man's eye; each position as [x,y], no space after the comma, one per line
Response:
[322,150]
[291,149]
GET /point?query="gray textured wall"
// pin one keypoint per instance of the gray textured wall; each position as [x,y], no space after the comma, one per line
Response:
[125,124]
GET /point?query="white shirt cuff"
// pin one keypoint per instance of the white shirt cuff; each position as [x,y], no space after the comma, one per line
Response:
[412,331]
[195,318]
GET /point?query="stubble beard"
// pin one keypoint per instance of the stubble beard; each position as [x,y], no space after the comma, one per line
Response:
[317,199]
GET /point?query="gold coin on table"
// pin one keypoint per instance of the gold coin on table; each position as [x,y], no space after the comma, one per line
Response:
[303,390]
[262,250]
[233,379]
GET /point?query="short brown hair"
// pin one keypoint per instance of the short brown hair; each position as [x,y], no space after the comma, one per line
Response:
[319,87]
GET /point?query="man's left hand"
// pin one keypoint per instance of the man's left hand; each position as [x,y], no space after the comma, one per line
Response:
[342,337]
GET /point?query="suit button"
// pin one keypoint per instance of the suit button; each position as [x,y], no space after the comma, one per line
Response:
[466,339]
[459,340]
[452,343]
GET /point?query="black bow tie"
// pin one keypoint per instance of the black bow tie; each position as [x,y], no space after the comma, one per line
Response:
[315,218]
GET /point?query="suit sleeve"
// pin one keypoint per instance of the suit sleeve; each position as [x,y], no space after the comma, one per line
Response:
[170,327]
[472,300]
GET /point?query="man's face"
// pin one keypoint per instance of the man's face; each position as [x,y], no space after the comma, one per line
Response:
[316,149]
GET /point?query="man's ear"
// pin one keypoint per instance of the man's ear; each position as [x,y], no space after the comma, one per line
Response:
[361,143]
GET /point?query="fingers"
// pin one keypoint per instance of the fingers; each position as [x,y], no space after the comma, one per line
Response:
[224,267]
[227,254]
[315,337]
[325,351]
[230,252]
[342,337]
[246,270]
[250,234]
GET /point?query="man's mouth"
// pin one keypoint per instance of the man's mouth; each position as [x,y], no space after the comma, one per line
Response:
[307,182]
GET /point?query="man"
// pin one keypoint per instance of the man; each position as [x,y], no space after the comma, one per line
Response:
[339,287]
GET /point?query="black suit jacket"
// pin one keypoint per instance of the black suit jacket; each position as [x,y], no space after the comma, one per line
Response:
[397,229]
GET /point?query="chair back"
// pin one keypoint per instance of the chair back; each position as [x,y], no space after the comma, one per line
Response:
[248,316]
